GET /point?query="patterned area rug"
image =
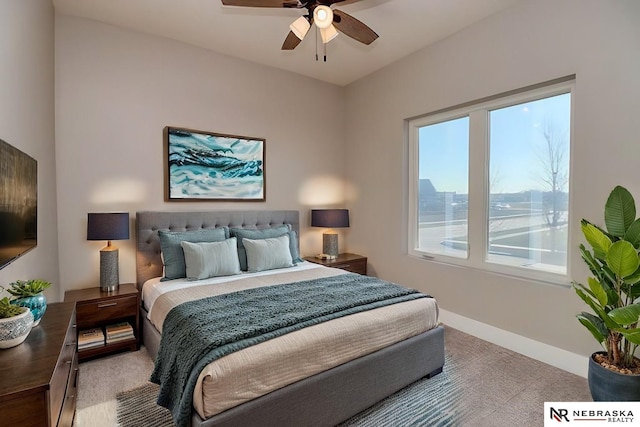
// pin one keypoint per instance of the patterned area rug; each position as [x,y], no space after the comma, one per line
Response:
[427,402]
[137,408]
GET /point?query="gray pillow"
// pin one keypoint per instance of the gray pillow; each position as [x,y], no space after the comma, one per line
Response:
[265,233]
[268,254]
[211,259]
[172,254]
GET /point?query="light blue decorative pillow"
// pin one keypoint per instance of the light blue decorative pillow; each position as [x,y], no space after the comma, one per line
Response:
[293,247]
[265,233]
[172,254]
[211,259]
[268,254]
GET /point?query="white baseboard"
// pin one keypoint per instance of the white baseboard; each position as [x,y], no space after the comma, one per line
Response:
[554,356]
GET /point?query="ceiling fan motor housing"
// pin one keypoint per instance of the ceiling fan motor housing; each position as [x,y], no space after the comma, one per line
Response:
[329,21]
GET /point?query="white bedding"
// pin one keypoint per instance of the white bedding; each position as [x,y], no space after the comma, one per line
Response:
[153,288]
[260,369]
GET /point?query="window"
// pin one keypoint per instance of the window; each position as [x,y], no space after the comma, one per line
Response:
[443,186]
[489,183]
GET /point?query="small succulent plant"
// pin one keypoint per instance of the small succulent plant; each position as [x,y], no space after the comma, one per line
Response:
[9,310]
[27,288]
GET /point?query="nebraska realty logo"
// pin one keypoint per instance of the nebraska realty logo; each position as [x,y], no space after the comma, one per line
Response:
[594,413]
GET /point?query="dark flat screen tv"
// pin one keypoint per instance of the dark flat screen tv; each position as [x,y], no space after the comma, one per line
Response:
[18,203]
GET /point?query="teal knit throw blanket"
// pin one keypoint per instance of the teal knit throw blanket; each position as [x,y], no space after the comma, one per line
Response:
[196,333]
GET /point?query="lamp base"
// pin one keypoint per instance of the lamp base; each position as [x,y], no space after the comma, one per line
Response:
[109,280]
[330,245]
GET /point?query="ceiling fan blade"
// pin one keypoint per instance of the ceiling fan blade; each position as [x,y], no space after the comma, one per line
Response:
[291,42]
[261,3]
[353,28]
[331,2]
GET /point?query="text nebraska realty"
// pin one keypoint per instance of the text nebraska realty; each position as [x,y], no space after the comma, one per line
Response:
[613,416]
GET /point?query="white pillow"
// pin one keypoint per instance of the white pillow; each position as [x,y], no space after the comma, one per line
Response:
[211,259]
[267,254]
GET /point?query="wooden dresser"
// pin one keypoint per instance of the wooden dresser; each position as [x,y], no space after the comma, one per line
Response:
[38,378]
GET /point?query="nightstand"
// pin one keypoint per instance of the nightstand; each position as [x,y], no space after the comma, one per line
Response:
[97,309]
[349,262]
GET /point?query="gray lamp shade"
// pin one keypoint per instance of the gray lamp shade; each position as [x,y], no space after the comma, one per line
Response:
[108,226]
[330,218]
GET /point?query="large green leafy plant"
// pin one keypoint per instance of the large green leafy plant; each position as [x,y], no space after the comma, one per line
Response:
[612,291]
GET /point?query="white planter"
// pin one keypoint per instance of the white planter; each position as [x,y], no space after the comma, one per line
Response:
[14,330]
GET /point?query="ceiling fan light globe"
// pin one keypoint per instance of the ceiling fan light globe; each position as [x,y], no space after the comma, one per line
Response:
[328,34]
[300,27]
[323,16]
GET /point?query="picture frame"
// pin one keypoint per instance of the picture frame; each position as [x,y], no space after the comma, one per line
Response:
[210,166]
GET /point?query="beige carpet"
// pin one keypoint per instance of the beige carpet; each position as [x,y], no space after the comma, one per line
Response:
[501,388]
[101,379]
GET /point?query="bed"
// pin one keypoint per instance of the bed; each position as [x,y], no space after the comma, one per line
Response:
[326,394]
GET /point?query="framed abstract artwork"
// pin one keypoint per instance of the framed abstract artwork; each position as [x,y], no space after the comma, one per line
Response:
[208,166]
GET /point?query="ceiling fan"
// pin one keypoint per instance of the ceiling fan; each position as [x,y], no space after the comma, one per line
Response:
[319,12]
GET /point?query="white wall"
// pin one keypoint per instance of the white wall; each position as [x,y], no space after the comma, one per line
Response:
[115,92]
[533,42]
[27,123]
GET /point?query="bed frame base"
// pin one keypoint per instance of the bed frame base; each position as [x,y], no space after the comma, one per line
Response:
[433,374]
[333,396]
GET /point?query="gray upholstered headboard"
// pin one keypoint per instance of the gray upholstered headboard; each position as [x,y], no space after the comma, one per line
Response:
[148,261]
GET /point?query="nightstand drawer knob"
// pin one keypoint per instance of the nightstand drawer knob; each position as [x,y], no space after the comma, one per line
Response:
[107,305]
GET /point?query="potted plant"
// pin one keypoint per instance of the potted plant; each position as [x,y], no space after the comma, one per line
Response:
[15,323]
[28,293]
[614,374]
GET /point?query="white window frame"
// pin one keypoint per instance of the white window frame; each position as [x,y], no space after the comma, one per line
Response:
[478,112]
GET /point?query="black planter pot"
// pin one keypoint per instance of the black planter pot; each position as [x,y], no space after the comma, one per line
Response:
[610,386]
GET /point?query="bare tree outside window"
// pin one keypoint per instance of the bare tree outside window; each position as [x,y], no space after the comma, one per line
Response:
[554,172]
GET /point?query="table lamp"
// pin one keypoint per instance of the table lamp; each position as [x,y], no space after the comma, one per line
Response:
[108,226]
[329,218]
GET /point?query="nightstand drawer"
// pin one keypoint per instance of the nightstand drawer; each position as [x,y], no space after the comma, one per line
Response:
[353,263]
[91,312]
[359,267]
